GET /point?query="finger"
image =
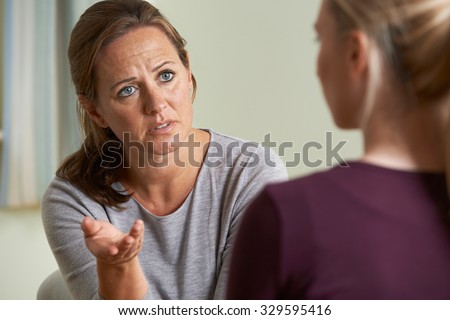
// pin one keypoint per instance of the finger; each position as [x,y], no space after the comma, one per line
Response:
[125,244]
[132,245]
[135,248]
[125,247]
[137,230]
[113,250]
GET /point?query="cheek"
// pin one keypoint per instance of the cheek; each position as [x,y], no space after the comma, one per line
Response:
[323,71]
[180,98]
[339,91]
[325,68]
[319,64]
[333,85]
[121,120]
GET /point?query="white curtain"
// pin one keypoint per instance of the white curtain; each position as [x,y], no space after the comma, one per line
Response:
[39,125]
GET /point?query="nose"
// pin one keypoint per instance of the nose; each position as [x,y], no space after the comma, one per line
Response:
[154,102]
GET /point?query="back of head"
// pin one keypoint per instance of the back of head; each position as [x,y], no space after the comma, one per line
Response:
[412,35]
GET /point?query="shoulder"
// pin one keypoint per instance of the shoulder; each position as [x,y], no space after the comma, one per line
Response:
[62,197]
[324,189]
[240,155]
[61,189]
[224,138]
[235,169]
[303,189]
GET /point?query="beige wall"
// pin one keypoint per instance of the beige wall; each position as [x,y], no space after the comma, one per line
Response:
[254,61]
[255,65]
[1,67]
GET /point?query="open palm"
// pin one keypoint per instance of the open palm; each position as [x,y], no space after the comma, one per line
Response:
[110,245]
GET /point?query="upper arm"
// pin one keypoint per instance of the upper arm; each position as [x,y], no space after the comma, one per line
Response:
[255,260]
[62,213]
[258,169]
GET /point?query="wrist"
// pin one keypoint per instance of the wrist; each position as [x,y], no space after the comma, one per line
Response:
[124,280]
[122,266]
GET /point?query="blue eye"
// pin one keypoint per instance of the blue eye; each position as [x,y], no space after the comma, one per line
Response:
[127,91]
[166,76]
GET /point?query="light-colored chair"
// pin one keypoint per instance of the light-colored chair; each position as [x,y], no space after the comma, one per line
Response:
[54,288]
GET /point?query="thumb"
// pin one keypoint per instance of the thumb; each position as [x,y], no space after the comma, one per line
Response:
[89,226]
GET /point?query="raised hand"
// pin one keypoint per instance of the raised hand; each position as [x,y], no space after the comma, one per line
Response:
[110,245]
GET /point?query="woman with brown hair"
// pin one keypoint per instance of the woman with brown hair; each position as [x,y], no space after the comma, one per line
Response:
[148,206]
[379,228]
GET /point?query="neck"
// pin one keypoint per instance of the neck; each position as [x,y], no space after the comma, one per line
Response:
[407,137]
[163,183]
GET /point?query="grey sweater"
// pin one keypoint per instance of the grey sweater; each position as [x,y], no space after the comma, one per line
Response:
[185,255]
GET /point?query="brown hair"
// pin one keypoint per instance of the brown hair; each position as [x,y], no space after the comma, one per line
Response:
[101,24]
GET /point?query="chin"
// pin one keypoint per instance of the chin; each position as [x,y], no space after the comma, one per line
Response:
[345,124]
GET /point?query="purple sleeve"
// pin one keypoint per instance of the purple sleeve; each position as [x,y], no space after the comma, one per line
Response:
[255,260]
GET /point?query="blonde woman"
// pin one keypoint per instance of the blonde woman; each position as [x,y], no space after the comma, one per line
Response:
[379,228]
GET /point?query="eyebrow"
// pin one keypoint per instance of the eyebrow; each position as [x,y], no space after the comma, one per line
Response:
[157,67]
[162,64]
[122,81]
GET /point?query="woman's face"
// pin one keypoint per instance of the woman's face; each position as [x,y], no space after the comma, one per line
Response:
[144,90]
[333,69]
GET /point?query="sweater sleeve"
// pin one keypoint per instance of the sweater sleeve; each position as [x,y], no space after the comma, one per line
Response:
[255,259]
[63,209]
[256,178]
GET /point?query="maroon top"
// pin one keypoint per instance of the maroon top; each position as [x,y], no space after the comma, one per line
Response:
[358,232]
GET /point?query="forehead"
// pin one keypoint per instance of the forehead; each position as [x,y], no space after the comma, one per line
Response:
[148,42]
[323,17]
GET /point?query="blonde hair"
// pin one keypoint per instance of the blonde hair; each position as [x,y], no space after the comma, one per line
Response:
[101,24]
[413,37]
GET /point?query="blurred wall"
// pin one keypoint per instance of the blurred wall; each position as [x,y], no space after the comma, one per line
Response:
[1,81]
[255,63]
[1,69]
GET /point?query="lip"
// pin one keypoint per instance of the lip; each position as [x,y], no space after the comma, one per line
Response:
[155,131]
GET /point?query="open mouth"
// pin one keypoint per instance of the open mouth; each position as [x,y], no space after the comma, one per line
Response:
[162,128]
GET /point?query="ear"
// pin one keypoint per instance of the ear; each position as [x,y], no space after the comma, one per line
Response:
[357,53]
[91,109]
